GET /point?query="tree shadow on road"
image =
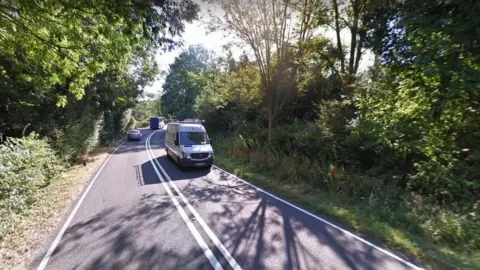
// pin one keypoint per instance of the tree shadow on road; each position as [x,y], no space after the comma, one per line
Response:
[264,233]
[258,230]
[116,238]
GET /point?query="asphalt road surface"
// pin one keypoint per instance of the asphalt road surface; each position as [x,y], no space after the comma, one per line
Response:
[142,212]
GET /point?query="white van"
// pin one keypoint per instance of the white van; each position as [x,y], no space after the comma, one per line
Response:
[188,144]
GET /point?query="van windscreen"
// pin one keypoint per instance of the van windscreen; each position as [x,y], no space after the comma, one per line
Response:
[193,138]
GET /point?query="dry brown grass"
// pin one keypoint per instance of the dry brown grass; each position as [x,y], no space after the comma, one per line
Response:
[30,230]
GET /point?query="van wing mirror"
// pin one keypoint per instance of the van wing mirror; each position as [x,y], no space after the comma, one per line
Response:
[175,142]
[211,141]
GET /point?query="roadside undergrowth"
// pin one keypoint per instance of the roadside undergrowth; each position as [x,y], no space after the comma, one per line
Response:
[22,231]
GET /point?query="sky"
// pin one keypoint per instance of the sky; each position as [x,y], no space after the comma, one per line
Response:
[196,33]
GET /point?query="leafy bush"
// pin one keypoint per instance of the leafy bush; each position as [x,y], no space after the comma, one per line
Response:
[26,165]
[143,123]
[452,225]
[116,124]
[88,131]
[79,135]
[431,128]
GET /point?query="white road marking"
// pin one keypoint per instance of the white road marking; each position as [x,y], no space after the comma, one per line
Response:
[200,220]
[55,242]
[326,222]
[193,230]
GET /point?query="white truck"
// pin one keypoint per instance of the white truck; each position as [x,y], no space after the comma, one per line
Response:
[188,144]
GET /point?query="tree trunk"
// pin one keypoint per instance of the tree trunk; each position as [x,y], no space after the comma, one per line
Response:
[339,40]
[270,121]
[353,42]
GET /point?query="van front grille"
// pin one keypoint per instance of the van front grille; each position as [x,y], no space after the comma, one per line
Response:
[199,155]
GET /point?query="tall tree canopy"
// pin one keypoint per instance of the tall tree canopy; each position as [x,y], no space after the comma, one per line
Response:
[55,49]
[49,43]
[265,26]
[66,64]
[179,91]
[426,96]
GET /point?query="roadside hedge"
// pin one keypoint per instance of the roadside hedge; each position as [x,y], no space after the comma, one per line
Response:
[26,165]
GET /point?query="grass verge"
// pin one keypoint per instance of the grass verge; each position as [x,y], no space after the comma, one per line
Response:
[24,233]
[365,219]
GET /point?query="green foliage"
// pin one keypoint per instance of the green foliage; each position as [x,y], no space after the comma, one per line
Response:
[52,43]
[27,165]
[424,104]
[180,89]
[82,134]
[143,123]
[147,108]
[116,124]
[70,70]
[227,99]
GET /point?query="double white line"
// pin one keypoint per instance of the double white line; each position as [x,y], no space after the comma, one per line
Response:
[169,183]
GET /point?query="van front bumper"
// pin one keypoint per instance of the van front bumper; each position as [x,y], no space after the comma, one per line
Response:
[186,162]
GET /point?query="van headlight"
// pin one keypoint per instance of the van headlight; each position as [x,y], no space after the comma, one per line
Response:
[185,155]
[210,154]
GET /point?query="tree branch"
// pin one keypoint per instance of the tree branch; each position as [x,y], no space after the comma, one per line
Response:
[359,53]
[339,41]
[353,42]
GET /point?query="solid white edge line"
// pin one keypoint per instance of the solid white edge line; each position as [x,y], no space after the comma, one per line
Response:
[200,220]
[208,253]
[326,222]
[55,242]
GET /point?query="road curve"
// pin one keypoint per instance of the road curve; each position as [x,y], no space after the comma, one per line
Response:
[143,212]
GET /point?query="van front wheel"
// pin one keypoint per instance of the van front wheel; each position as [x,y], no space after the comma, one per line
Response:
[180,163]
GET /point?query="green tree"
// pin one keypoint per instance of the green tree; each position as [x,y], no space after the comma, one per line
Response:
[66,65]
[180,90]
[264,26]
[425,98]
[51,43]
[228,99]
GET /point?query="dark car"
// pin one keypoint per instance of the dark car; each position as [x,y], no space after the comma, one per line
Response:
[134,135]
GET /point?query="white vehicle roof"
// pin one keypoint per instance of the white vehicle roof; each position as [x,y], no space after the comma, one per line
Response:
[189,127]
